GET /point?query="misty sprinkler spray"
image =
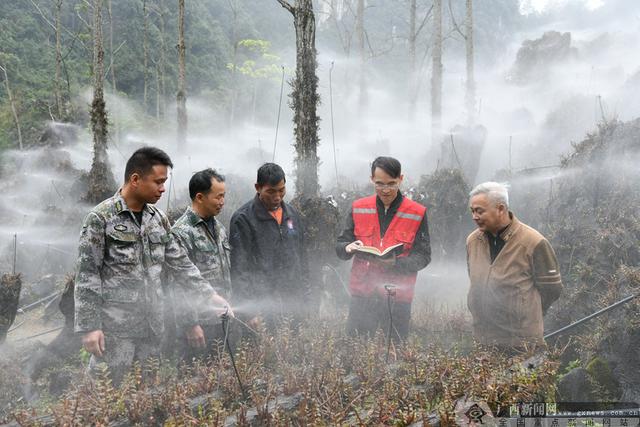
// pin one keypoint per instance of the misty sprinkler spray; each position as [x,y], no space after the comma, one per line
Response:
[225,328]
[391,293]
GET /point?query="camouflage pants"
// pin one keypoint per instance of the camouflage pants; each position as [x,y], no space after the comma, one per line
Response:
[121,353]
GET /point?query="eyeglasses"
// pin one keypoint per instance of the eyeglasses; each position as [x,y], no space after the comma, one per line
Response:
[381,186]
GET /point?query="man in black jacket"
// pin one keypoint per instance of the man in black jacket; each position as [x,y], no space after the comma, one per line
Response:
[269,270]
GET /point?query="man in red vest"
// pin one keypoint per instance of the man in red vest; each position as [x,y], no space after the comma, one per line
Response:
[383,221]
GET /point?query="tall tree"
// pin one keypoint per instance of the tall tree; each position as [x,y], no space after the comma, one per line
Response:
[467,34]
[181,96]
[470,99]
[159,102]
[436,75]
[12,102]
[101,182]
[414,31]
[58,76]
[233,4]
[304,97]
[57,27]
[360,34]
[145,54]
[413,37]
[160,62]
[112,69]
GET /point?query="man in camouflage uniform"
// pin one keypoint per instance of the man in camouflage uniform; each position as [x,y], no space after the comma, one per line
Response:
[125,245]
[205,240]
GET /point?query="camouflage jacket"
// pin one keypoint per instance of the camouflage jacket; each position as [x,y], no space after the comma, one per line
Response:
[120,268]
[210,254]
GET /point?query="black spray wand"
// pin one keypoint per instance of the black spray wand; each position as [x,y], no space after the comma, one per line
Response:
[391,292]
[227,344]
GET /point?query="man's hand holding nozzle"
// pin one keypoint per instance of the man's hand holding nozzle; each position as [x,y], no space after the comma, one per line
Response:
[221,306]
[93,342]
[351,247]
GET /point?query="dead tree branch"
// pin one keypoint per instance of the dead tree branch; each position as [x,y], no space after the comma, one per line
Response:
[287,6]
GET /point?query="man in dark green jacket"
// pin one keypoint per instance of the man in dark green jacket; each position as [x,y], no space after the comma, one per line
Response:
[205,240]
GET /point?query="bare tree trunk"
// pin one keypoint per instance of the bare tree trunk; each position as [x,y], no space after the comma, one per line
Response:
[57,84]
[436,76]
[413,95]
[345,38]
[162,61]
[162,94]
[101,183]
[145,54]
[112,68]
[12,102]
[304,98]
[158,91]
[471,85]
[254,102]
[362,83]
[181,96]
[234,59]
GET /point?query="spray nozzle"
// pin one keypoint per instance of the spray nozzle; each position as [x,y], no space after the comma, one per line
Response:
[391,290]
[225,316]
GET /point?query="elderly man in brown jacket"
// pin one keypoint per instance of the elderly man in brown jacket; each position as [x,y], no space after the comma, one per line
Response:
[513,270]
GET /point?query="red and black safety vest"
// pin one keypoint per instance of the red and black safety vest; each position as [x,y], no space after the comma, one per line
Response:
[369,278]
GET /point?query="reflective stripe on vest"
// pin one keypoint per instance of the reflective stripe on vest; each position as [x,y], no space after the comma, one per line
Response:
[364,211]
[409,216]
[368,278]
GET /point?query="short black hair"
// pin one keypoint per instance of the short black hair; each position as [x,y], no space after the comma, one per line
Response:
[388,164]
[200,182]
[144,159]
[270,174]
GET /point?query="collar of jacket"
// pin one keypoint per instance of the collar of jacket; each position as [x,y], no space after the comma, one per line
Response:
[508,232]
[263,214]
[121,206]
[193,217]
[393,206]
